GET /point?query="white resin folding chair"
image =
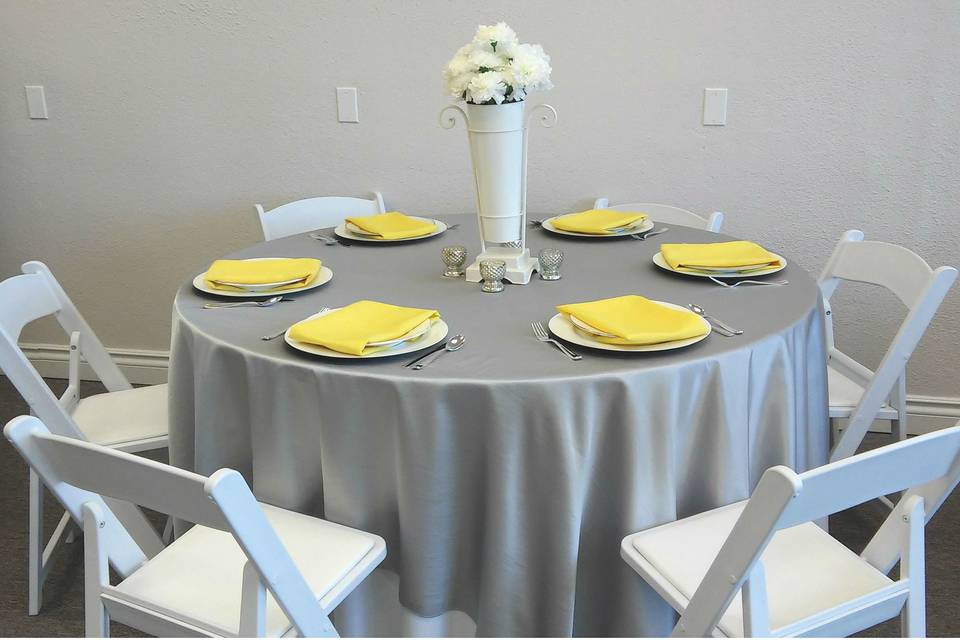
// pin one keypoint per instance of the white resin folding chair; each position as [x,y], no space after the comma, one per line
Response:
[315,213]
[856,392]
[214,579]
[667,214]
[762,567]
[124,418]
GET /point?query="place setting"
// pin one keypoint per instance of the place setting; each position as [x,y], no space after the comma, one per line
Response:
[626,324]
[390,227]
[601,223]
[368,329]
[718,262]
[260,282]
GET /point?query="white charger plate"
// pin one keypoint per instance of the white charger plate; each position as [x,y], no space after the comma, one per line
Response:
[561,327]
[660,262]
[437,332]
[644,225]
[344,231]
[325,276]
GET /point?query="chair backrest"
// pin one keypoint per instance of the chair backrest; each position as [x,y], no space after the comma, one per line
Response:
[315,213]
[31,296]
[667,214]
[920,288]
[927,467]
[81,473]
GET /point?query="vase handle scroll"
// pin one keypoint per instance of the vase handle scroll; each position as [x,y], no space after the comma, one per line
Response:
[449,120]
[547,116]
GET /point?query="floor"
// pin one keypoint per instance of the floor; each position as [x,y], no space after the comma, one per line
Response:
[62,613]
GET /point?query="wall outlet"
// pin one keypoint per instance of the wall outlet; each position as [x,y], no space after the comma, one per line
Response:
[347,110]
[36,102]
[715,107]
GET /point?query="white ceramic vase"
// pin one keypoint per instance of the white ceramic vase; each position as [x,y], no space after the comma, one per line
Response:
[498,142]
[496,149]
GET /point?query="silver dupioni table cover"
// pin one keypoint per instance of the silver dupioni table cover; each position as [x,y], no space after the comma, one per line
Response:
[504,476]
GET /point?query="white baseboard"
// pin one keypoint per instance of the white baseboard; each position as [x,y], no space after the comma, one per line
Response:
[924,414]
[141,366]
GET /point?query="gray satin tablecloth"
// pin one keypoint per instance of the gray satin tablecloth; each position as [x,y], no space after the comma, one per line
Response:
[504,477]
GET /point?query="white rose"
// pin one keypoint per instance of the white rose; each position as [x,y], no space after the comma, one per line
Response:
[460,64]
[510,70]
[481,58]
[515,90]
[499,33]
[531,67]
[485,87]
[457,85]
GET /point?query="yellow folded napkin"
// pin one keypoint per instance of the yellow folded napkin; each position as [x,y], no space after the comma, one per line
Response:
[740,255]
[394,225]
[352,328]
[597,221]
[259,272]
[635,320]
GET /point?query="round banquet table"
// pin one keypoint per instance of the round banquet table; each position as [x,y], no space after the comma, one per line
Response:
[504,476]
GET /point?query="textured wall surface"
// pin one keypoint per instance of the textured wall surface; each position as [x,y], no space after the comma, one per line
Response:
[168,120]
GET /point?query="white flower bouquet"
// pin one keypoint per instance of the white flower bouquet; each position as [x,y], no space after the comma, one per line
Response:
[494,68]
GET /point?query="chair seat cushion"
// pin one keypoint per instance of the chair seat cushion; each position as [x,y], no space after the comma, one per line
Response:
[198,578]
[124,417]
[806,569]
[845,395]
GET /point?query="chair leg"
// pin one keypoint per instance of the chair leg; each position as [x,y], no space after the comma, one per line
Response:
[167,536]
[95,574]
[913,617]
[35,546]
[899,426]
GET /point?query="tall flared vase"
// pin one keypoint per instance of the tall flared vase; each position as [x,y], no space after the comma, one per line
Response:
[498,147]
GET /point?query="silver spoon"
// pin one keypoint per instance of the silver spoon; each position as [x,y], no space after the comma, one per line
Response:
[455,343]
[697,309]
[269,302]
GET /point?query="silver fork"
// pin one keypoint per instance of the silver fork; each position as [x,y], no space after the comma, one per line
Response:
[327,240]
[269,302]
[649,234]
[768,283]
[541,334]
[273,336]
[535,223]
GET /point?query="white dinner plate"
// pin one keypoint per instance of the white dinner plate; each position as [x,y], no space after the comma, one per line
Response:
[660,262]
[345,232]
[436,333]
[416,332]
[323,278]
[561,327]
[639,227]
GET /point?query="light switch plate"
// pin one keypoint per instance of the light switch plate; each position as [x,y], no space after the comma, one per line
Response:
[36,102]
[347,110]
[714,107]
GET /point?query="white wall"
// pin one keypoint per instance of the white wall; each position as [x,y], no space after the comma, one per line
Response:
[170,119]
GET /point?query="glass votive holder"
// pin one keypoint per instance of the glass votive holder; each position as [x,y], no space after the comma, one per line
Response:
[492,272]
[453,257]
[550,260]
